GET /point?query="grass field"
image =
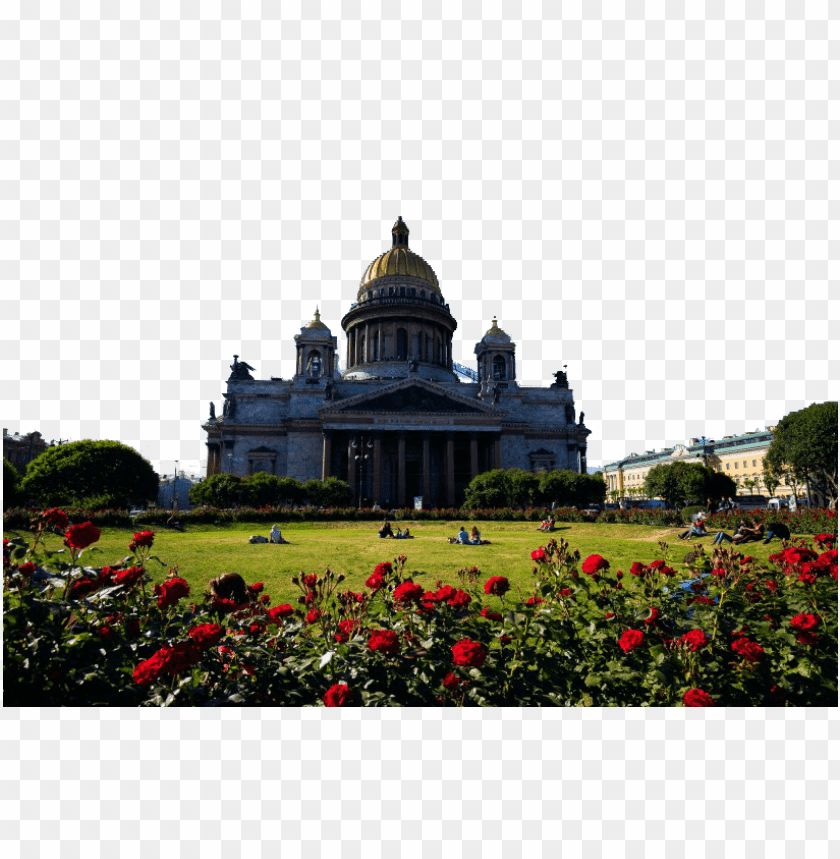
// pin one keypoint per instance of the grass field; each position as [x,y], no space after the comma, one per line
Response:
[202,553]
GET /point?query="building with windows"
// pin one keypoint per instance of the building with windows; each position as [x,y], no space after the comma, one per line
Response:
[740,457]
[21,449]
[403,419]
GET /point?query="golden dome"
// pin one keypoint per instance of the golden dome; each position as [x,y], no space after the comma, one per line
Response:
[496,333]
[316,328]
[399,260]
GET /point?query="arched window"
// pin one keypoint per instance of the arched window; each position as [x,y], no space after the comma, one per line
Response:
[315,363]
[499,368]
[402,344]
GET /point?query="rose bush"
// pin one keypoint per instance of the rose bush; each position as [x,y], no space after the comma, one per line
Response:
[743,634]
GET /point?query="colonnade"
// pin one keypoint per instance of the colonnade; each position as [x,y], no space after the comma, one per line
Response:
[380,340]
[400,465]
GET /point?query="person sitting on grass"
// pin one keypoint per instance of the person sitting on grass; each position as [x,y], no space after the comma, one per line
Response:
[547,524]
[475,536]
[385,530]
[463,537]
[777,529]
[749,533]
[722,535]
[275,536]
[698,530]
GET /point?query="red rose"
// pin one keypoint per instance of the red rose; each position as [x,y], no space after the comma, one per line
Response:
[345,630]
[824,539]
[490,615]
[445,593]
[749,650]
[207,635]
[566,592]
[407,593]
[310,581]
[81,536]
[223,606]
[384,641]
[383,570]
[451,681]
[460,599]
[179,657]
[538,554]
[698,698]
[796,555]
[277,613]
[504,640]
[719,573]
[149,669]
[828,558]
[702,601]
[26,569]
[594,564]
[339,695]
[128,578]
[637,569]
[143,538]
[314,616]
[654,614]
[771,585]
[804,622]
[57,518]
[657,565]
[609,615]
[468,652]
[81,588]
[619,575]
[256,588]
[631,639]
[265,599]
[807,638]
[695,639]
[374,582]
[667,571]
[534,600]
[497,586]
[807,577]
[171,591]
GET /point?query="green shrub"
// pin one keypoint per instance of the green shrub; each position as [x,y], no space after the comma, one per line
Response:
[65,474]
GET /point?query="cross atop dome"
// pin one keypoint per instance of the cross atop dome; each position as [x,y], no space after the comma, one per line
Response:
[399,234]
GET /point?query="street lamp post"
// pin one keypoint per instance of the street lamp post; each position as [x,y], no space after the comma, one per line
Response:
[363,447]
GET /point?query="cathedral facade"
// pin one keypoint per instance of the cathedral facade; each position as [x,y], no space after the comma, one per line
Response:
[403,420]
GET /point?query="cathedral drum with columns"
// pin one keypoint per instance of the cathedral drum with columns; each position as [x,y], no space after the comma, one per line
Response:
[402,420]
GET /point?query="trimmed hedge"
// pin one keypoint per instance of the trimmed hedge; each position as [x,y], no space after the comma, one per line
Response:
[803,521]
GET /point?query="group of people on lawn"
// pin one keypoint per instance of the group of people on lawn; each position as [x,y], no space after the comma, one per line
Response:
[744,533]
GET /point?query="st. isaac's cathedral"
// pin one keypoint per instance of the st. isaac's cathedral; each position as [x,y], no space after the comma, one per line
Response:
[402,420]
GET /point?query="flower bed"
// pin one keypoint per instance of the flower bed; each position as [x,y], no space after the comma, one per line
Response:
[743,634]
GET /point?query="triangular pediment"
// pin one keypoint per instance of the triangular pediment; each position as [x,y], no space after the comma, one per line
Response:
[412,396]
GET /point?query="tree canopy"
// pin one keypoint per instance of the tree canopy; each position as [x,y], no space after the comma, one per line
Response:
[68,473]
[515,487]
[11,484]
[680,484]
[804,447]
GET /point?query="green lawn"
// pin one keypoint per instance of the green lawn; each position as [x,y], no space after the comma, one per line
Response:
[204,552]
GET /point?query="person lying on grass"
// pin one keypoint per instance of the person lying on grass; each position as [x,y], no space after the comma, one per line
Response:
[698,530]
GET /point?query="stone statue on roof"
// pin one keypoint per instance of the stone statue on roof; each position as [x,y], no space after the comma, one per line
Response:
[239,370]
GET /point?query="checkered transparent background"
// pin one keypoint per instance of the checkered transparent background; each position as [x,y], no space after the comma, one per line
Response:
[641,191]
[493,783]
